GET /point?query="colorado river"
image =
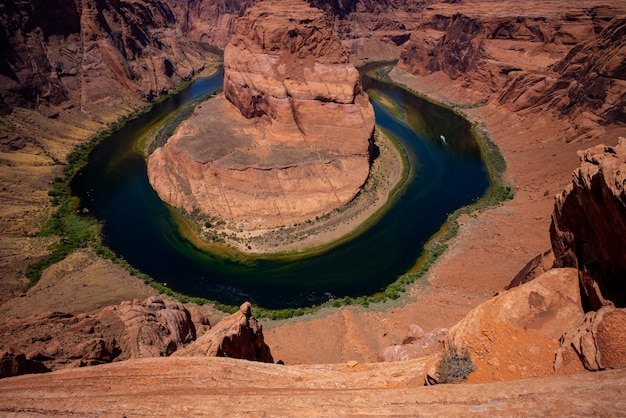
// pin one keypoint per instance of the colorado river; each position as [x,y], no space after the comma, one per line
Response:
[446,175]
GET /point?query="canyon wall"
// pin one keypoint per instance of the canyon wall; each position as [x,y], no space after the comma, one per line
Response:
[295,141]
[570,61]
[90,54]
[588,228]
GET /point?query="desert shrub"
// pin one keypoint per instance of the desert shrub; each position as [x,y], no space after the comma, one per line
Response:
[455,365]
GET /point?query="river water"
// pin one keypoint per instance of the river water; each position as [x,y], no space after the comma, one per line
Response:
[447,173]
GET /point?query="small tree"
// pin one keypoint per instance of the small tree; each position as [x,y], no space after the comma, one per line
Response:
[454,366]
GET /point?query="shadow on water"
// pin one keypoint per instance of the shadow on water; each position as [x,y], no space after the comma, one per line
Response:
[139,227]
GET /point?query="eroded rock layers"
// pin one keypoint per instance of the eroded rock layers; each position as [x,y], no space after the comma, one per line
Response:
[571,62]
[588,228]
[297,144]
[91,54]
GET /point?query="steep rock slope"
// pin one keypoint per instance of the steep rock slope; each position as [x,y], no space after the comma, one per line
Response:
[91,53]
[588,228]
[298,144]
[542,58]
[69,68]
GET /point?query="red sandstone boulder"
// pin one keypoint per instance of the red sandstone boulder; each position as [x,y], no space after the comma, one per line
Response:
[151,328]
[237,336]
[516,334]
[598,343]
[154,327]
[15,364]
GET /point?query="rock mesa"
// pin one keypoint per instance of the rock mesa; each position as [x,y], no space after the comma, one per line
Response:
[295,141]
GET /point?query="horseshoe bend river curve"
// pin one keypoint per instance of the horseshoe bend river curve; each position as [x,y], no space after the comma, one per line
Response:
[447,173]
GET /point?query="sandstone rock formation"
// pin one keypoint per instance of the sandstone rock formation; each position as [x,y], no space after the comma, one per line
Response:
[238,336]
[598,343]
[516,334]
[136,329]
[588,228]
[15,364]
[306,144]
[154,327]
[570,61]
[89,54]
[176,386]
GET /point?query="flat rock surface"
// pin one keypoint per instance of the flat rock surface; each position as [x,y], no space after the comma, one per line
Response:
[227,387]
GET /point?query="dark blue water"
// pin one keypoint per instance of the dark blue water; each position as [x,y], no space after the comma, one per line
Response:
[139,227]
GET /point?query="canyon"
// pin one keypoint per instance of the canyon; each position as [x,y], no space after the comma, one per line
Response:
[543,79]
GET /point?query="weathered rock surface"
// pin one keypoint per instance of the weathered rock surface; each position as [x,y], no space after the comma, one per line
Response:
[15,364]
[516,334]
[416,344]
[151,328]
[598,343]
[224,387]
[238,336]
[89,54]
[304,143]
[588,228]
[539,58]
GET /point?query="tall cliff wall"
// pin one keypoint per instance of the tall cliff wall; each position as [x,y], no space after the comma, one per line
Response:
[87,53]
[588,228]
[570,61]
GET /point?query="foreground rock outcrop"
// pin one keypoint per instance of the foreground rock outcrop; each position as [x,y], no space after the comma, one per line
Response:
[134,329]
[301,143]
[237,336]
[222,387]
[599,342]
[588,228]
[516,334]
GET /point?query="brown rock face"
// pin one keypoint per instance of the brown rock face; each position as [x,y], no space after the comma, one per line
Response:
[599,342]
[15,364]
[516,334]
[303,145]
[588,228]
[151,328]
[91,53]
[237,336]
[571,62]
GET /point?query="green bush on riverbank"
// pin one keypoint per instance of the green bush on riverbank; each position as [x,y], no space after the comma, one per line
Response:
[76,231]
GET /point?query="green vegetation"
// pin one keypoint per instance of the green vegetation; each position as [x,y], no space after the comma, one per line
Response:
[74,231]
[77,230]
[454,366]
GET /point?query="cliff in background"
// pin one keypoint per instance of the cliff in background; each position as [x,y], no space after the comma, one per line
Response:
[570,61]
[90,54]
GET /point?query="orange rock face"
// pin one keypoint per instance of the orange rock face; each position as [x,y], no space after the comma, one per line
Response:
[297,142]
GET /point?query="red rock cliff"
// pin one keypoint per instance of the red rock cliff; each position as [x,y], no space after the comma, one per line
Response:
[297,142]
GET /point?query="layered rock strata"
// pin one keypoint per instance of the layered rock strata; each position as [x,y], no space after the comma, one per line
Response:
[588,228]
[568,61]
[294,143]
